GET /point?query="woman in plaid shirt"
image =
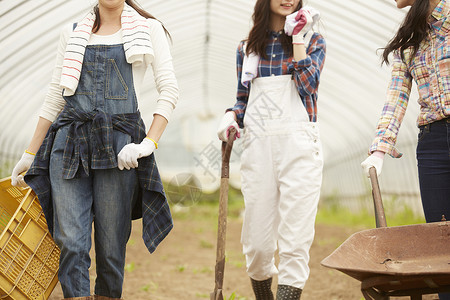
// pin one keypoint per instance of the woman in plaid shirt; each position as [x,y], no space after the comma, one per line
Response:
[421,52]
[278,78]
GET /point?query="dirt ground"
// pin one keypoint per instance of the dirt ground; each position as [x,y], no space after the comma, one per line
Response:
[183,265]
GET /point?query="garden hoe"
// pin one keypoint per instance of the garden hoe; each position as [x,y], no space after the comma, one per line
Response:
[222,228]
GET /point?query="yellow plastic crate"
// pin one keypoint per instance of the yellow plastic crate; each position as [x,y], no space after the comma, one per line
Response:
[29,258]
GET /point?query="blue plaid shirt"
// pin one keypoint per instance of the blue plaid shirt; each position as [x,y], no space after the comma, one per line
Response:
[306,73]
[152,204]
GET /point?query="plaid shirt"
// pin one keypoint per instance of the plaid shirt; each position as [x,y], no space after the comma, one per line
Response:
[430,68]
[152,205]
[306,73]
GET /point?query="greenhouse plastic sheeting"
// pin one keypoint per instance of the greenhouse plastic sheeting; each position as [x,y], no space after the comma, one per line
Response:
[205,36]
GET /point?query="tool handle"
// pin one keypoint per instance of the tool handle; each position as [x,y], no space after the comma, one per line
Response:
[226,153]
[380,218]
[222,218]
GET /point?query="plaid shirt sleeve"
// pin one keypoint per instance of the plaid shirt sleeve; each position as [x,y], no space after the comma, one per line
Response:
[242,91]
[307,71]
[394,109]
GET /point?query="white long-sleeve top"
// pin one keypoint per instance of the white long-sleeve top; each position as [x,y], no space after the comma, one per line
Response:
[164,75]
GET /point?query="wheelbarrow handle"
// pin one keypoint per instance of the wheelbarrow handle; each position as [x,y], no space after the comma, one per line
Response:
[380,217]
[226,153]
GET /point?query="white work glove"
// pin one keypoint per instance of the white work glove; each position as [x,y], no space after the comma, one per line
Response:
[375,160]
[129,155]
[22,166]
[300,22]
[226,124]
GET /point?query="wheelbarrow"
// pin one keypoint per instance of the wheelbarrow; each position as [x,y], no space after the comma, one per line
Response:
[223,208]
[412,260]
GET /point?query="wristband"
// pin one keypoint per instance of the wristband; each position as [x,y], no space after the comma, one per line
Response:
[156,144]
[26,151]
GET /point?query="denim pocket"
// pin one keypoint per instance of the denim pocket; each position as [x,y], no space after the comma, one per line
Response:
[423,132]
[116,87]
[87,80]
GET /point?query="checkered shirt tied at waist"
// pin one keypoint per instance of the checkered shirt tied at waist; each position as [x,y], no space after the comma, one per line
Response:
[96,127]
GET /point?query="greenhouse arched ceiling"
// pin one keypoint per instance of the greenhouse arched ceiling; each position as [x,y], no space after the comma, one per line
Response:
[205,35]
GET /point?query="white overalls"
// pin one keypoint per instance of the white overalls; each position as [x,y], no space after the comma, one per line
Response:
[281,177]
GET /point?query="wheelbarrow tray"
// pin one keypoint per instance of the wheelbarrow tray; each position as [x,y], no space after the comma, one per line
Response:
[412,255]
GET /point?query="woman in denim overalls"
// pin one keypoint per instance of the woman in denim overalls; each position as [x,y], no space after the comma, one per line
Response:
[88,143]
[281,165]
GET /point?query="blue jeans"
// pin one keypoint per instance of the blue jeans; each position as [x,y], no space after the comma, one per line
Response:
[101,198]
[433,161]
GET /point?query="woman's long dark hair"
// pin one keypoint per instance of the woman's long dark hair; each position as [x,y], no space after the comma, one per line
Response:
[412,32]
[134,5]
[257,38]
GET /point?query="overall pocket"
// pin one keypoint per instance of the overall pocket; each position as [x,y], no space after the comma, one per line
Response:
[423,132]
[116,87]
[86,84]
[265,104]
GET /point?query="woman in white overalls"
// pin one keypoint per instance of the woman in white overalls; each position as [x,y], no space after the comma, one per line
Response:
[90,159]
[278,78]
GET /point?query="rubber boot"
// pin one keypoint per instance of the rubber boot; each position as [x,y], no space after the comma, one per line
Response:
[262,289]
[80,298]
[286,292]
[97,297]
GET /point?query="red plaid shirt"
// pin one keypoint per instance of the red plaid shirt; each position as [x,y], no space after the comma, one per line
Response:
[306,72]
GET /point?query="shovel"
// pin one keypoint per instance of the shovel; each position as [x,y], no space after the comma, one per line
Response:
[223,206]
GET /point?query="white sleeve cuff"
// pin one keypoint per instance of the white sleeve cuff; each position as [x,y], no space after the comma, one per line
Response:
[47,115]
[52,107]
[164,108]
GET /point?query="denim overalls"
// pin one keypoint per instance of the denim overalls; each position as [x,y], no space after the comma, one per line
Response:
[106,85]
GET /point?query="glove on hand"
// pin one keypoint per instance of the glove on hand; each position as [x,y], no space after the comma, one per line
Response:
[22,166]
[300,22]
[226,124]
[374,160]
[129,155]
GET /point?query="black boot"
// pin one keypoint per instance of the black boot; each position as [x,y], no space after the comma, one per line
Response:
[262,289]
[286,292]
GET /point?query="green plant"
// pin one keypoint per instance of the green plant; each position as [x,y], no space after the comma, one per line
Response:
[152,286]
[180,268]
[130,267]
[206,244]
[233,296]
